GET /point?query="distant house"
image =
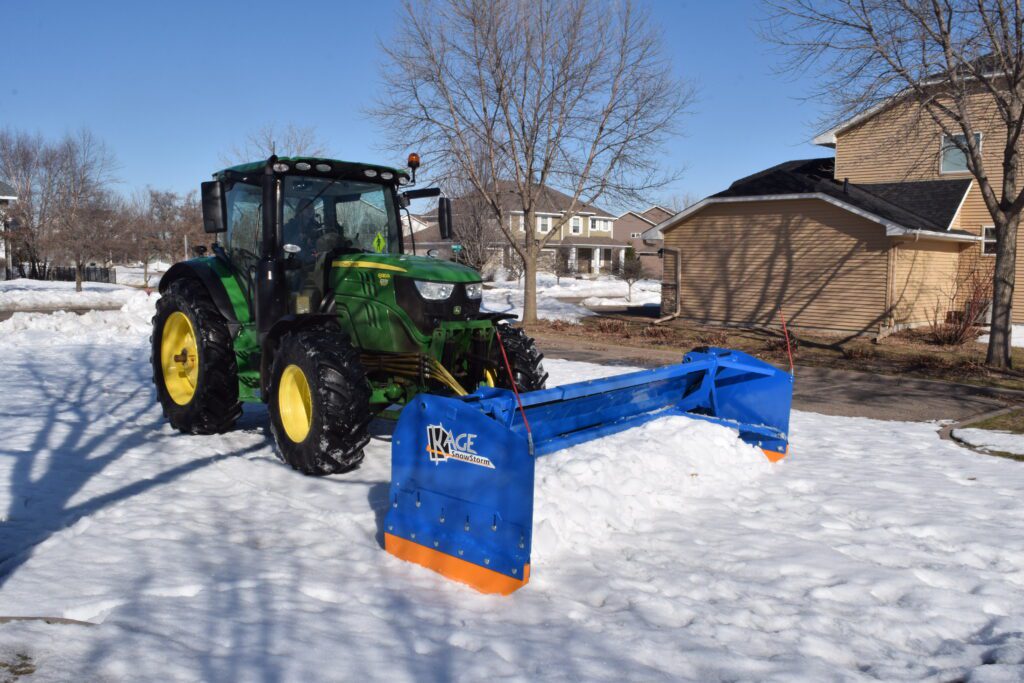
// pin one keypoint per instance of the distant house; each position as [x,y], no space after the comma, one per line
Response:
[630,228]
[586,242]
[889,233]
[7,197]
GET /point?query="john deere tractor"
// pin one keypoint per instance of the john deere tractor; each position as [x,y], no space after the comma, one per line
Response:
[314,302]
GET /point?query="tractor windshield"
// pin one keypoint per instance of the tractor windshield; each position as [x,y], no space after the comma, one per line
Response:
[320,215]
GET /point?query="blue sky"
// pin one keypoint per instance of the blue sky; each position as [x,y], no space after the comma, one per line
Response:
[170,86]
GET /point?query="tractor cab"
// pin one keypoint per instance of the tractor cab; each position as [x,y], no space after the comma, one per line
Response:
[316,210]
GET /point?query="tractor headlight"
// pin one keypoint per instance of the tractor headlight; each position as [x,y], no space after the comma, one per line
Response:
[434,291]
[474,290]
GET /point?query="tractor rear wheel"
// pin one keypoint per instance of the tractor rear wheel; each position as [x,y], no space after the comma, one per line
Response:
[319,401]
[523,356]
[194,367]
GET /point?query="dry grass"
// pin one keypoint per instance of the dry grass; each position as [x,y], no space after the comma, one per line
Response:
[911,353]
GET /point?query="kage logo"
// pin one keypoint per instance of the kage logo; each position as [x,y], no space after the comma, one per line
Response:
[442,446]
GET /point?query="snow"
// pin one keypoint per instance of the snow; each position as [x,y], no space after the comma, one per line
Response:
[24,294]
[602,291]
[668,552]
[992,439]
[134,274]
[1016,336]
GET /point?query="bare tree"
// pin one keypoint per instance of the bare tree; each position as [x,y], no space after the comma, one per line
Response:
[32,166]
[630,271]
[678,202]
[959,62]
[84,207]
[289,140]
[573,94]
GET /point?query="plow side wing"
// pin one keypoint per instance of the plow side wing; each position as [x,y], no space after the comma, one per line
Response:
[462,475]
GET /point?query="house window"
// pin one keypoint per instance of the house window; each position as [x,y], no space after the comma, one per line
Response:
[988,244]
[512,225]
[544,224]
[953,158]
[577,225]
[635,235]
[600,224]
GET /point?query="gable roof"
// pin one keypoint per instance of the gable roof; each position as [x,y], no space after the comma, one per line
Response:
[642,217]
[6,191]
[548,200]
[657,213]
[911,207]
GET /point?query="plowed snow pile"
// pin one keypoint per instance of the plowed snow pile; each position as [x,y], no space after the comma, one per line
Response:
[672,551]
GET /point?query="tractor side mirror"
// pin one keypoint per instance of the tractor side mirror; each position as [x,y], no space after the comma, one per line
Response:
[444,217]
[214,209]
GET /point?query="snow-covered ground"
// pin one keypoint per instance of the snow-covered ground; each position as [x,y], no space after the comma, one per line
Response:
[992,439]
[603,291]
[876,551]
[25,294]
[1016,336]
[136,275]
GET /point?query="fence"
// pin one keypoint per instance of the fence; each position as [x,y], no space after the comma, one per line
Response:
[67,273]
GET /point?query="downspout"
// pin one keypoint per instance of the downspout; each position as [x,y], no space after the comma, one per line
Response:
[678,282]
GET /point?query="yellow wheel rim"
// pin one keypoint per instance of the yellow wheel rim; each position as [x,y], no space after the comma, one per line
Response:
[294,403]
[490,377]
[179,358]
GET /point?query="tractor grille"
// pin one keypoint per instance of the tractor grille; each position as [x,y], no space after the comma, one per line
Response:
[426,314]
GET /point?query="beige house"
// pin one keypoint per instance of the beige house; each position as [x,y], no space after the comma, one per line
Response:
[586,239]
[886,234]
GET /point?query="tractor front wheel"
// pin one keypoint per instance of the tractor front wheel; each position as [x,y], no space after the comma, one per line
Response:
[524,358]
[319,402]
[194,367]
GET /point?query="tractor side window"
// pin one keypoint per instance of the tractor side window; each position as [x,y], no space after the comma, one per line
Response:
[245,217]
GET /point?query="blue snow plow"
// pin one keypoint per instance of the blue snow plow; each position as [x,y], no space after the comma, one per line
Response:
[462,468]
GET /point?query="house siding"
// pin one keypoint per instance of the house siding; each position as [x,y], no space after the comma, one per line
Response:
[899,145]
[742,262]
[923,286]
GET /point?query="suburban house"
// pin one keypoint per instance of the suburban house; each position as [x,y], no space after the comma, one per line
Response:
[630,228]
[586,242]
[7,197]
[887,233]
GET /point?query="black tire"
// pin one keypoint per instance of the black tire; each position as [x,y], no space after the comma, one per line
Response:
[523,356]
[339,406]
[213,406]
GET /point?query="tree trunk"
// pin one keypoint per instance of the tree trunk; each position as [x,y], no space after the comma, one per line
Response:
[79,276]
[530,285]
[1003,282]
[145,272]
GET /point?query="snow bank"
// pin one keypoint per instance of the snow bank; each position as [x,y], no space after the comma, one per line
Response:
[603,291]
[24,294]
[670,552]
[134,274]
[510,300]
[1016,336]
[128,323]
[992,439]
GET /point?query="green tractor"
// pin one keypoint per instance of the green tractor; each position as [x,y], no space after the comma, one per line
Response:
[312,304]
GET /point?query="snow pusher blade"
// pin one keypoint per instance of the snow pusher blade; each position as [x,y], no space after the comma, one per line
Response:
[462,471]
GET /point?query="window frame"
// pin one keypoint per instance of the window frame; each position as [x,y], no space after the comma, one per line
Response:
[635,235]
[576,225]
[542,221]
[943,147]
[597,222]
[985,241]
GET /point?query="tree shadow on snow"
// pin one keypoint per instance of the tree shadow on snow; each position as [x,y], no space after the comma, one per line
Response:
[83,423]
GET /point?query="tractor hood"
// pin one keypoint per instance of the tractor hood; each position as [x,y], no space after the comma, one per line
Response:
[414,267]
